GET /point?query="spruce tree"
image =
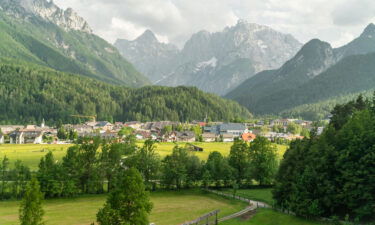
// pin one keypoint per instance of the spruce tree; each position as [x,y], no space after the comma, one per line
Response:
[31,211]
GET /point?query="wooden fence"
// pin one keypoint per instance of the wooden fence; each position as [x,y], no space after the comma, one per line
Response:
[207,219]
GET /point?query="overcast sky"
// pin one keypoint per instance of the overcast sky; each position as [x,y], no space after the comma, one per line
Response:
[335,21]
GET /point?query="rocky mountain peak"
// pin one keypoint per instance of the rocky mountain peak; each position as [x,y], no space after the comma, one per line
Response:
[369,31]
[214,62]
[313,58]
[47,10]
[247,26]
[313,47]
[148,36]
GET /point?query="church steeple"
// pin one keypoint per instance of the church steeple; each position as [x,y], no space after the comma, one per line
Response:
[43,123]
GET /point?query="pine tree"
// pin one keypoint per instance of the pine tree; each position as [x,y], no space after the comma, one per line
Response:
[31,211]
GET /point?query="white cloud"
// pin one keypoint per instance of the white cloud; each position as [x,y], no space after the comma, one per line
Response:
[335,21]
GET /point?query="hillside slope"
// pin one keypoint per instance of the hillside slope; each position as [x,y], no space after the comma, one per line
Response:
[29,93]
[317,73]
[39,32]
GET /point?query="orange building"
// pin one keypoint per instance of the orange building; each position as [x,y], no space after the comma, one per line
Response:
[248,137]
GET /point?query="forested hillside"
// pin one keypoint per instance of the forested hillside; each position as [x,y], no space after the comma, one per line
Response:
[351,75]
[322,109]
[29,93]
[25,35]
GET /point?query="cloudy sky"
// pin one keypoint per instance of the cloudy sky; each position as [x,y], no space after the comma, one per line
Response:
[335,21]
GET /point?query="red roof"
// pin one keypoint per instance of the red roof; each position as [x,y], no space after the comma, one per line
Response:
[202,124]
[248,136]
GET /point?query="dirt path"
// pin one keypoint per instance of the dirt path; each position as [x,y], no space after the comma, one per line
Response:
[253,205]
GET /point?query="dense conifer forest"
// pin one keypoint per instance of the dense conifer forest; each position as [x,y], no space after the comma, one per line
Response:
[30,93]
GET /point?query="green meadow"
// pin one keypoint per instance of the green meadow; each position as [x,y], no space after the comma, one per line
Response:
[170,208]
[270,217]
[30,154]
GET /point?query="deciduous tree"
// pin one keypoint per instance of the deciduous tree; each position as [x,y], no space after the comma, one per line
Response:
[128,203]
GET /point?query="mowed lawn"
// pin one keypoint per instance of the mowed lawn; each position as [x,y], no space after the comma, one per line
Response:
[31,154]
[170,208]
[270,217]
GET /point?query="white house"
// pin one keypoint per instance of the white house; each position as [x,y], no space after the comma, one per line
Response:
[209,137]
[228,137]
[26,137]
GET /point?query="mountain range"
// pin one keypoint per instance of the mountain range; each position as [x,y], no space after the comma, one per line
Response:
[316,73]
[38,31]
[213,62]
[53,66]
[266,71]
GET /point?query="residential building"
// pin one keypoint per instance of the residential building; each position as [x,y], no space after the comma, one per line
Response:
[248,137]
[158,126]
[236,129]
[32,136]
[142,134]
[83,128]
[228,137]
[7,129]
[103,125]
[136,125]
[209,137]
[185,136]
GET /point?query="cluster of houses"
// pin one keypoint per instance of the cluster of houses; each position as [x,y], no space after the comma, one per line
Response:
[30,134]
[213,132]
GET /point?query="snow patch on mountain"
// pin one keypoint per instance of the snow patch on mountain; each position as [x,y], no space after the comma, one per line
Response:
[210,63]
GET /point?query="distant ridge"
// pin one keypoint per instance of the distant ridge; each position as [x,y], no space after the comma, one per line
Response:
[317,73]
[213,62]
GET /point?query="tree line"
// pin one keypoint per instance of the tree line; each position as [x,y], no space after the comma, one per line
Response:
[333,174]
[126,171]
[93,165]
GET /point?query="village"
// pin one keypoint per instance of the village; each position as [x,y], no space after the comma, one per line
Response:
[161,131]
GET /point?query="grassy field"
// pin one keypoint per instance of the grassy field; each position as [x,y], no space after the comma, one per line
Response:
[263,195]
[270,217]
[30,154]
[223,147]
[170,208]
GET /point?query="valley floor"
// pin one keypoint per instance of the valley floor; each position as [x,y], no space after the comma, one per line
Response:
[31,154]
[270,217]
[170,208]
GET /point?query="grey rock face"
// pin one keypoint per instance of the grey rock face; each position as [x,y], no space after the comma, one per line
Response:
[67,19]
[213,62]
[152,58]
